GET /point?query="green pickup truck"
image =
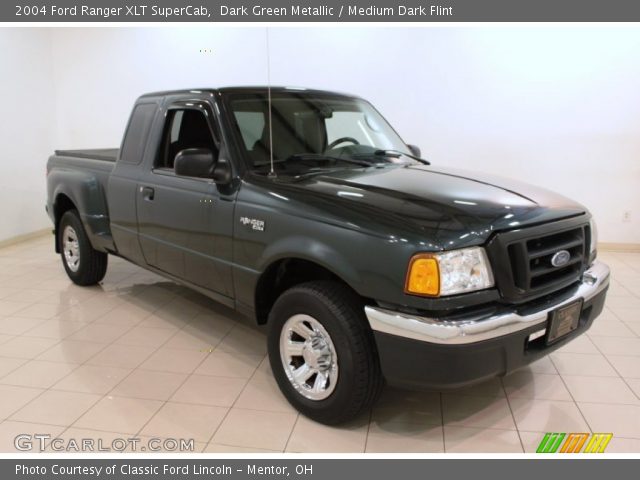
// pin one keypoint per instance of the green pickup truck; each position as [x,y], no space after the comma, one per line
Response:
[305,210]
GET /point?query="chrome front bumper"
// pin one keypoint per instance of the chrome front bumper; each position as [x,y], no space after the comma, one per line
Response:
[432,330]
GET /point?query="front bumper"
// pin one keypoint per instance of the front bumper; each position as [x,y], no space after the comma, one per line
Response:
[428,352]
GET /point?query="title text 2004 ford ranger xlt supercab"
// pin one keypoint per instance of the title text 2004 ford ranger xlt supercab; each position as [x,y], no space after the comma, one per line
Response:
[305,210]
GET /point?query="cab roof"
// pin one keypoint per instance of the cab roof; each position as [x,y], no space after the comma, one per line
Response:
[247,89]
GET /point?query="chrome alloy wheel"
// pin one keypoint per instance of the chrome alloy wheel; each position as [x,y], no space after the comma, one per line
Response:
[71,248]
[308,356]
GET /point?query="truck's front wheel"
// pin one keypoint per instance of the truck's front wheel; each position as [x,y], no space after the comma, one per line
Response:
[84,265]
[322,352]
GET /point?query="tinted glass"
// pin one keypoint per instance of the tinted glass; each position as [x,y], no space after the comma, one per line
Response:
[137,132]
[185,129]
[312,131]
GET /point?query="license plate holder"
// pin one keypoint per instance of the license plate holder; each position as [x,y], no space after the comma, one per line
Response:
[564,320]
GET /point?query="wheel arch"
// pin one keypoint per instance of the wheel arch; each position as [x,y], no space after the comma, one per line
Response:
[62,204]
[83,192]
[285,272]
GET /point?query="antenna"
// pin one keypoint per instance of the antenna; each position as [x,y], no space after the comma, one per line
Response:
[272,172]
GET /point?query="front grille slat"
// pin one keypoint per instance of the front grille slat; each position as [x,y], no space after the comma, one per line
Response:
[550,250]
[536,272]
[557,280]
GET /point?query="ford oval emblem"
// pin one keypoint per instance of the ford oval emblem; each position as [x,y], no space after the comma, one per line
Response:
[560,258]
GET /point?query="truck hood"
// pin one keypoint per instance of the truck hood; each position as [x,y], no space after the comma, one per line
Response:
[451,208]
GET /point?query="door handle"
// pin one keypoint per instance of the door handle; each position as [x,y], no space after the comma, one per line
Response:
[147,193]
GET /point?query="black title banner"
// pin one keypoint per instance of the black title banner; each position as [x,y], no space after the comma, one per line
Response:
[312,469]
[320,11]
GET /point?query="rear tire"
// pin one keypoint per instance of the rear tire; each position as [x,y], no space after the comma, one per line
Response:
[84,265]
[322,352]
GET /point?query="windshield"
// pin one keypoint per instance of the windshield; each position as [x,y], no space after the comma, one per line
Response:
[313,132]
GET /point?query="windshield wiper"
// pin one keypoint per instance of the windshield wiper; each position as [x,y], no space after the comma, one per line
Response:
[397,154]
[320,156]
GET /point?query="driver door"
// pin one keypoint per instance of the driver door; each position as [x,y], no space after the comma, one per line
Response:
[183,227]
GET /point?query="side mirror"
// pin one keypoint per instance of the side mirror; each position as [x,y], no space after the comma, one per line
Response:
[194,162]
[415,151]
[222,173]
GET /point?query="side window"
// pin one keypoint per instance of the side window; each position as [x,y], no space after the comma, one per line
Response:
[185,128]
[175,126]
[137,133]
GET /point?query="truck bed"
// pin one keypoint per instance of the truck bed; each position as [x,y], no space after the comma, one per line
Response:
[105,154]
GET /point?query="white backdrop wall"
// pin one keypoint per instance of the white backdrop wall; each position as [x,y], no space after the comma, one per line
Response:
[26,134]
[556,106]
[99,72]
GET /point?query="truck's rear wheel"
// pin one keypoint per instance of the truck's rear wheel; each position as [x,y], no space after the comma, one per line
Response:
[322,352]
[83,264]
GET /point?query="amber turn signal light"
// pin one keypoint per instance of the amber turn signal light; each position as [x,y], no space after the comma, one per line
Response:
[423,276]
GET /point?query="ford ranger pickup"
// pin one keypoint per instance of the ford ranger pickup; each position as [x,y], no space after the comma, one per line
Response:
[306,211]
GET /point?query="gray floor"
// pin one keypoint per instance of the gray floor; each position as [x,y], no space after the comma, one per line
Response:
[141,357]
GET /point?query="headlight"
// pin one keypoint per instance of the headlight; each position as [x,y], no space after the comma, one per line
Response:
[448,273]
[594,236]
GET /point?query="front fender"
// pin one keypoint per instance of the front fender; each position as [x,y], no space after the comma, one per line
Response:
[313,250]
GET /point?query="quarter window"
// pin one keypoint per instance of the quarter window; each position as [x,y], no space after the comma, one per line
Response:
[136,137]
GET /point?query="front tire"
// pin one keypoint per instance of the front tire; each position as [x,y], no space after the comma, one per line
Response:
[84,265]
[322,352]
